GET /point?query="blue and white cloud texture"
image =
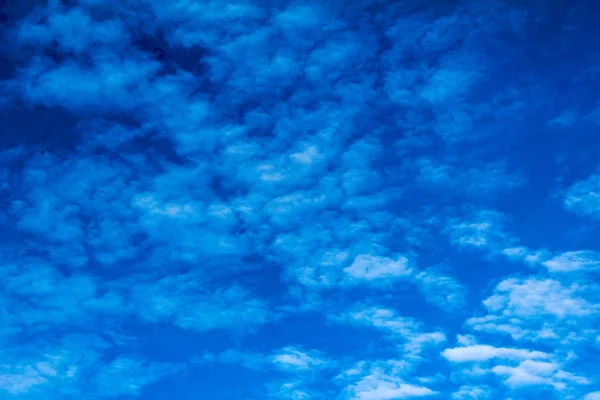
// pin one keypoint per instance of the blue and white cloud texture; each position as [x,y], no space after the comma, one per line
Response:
[366,200]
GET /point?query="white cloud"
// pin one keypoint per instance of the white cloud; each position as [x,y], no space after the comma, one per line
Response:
[530,372]
[440,289]
[293,359]
[22,379]
[537,309]
[292,390]
[384,319]
[469,392]
[592,396]
[481,352]
[408,331]
[307,156]
[532,296]
[127,376]
[517,367]
[181,300]
[523,253]
[369,267]
[574,261]
[61,367]
[484,230]
[379,386]
[584,197]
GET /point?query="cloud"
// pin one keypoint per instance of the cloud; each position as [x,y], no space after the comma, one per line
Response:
[78,365]
[531,372]
[177,172]
[536,309]
[574,261]
[74,300]
[484,231]
[408,331]
[519,367]
[21,379]
[74,30]
[183,301]
[369,267]
[293,359]
[379,386]
[555,316]
[105,86]
[527,297]
[124,376]
[584,197]
[485,352]
[441,289]
[472,392]
[462,179]
[382,318]
[293,390]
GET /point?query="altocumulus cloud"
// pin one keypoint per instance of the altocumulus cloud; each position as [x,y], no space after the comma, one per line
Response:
[367,200]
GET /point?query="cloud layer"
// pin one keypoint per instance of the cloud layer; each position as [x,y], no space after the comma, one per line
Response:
[299,200]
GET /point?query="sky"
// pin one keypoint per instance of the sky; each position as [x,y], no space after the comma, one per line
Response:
[299,200]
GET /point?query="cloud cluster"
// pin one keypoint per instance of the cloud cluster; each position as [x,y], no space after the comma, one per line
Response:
[311,196]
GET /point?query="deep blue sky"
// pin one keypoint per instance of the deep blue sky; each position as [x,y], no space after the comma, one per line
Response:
[338,200]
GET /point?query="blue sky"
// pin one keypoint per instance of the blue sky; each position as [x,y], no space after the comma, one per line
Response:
[340,200]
